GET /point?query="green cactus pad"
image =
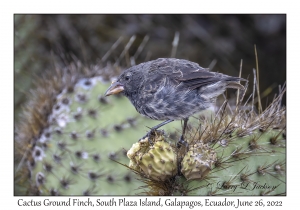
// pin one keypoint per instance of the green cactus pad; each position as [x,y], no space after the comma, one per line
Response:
[76,145]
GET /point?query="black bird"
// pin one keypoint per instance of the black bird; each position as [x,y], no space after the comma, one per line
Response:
[171,89]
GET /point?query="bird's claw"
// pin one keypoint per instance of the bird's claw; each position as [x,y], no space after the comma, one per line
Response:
[148,135]
[182,142]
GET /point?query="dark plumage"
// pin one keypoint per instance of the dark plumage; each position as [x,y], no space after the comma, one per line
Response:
[171,89]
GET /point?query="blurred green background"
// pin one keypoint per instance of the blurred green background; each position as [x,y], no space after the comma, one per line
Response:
[44,41]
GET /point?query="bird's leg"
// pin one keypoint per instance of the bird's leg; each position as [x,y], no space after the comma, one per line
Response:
[181,140]
[182,150]
[155,128]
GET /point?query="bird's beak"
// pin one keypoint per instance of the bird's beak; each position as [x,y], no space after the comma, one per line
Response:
[114,88]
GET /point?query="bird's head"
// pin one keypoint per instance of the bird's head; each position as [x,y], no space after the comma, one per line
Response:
[128,82]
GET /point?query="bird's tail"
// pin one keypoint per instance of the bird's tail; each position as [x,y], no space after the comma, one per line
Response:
[214,90]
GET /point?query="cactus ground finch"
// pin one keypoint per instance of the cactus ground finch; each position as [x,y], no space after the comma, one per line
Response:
[171,89]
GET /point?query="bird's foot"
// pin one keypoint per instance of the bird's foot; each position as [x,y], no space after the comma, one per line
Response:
[182,147]
[152,134]
[182,142]
[148,135]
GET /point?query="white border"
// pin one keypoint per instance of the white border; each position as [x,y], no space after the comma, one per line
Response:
[154,6]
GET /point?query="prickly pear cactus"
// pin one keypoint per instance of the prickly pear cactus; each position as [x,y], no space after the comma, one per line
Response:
[71,140]
[72,137]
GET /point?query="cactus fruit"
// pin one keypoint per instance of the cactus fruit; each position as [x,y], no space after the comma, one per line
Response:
[157,161]
[198,161]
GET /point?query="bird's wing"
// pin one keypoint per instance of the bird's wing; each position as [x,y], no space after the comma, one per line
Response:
[189,74]
[193,76]
[196,78]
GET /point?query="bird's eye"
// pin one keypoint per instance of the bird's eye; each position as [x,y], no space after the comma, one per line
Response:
[127,77]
